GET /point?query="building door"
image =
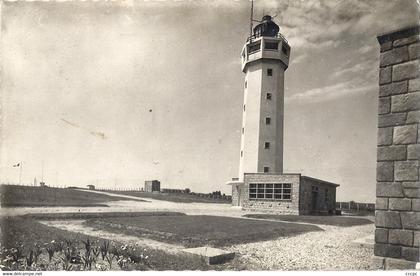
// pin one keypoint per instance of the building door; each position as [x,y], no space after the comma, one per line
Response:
[314,200]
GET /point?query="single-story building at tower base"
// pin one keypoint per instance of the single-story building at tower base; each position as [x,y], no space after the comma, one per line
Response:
[284,194]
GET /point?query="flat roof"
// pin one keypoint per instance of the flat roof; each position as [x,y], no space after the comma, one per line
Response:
[295,174]
[320,180]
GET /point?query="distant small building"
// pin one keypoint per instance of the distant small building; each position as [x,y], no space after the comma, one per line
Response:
[91,187]
[151,186]
[42,184]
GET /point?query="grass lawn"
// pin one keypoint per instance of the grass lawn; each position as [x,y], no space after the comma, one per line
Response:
[20,232]
[194,231]
[324,220]
[183,198]
[26,196]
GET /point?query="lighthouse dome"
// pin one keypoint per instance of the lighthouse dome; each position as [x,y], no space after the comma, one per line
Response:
[267,27]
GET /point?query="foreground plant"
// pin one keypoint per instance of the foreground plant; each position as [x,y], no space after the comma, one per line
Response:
[50,250]
[88,246]
[104,247]
[88,261]
[66,262]
[109,258]
[59,246]
[30,258]
[37,252]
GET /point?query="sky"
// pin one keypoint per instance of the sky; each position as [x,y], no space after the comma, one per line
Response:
[116,93]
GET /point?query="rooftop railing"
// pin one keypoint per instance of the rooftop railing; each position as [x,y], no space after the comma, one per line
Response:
[279,35]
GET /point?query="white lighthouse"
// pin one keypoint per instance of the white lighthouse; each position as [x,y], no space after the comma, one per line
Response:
[261,184]
[265,58]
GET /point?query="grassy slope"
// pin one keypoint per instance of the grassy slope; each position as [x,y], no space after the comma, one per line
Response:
[184,198]
[26,196]
[18,230]
[194,231]
[323,220]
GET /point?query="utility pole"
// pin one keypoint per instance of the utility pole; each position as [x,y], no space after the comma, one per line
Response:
[20,173]
[42,172]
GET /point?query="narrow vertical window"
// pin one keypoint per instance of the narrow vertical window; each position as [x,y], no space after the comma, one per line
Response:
[246,84]
[269,72]
[243,130]
[268,96]
[266,169]
[244,107]
[267,120]
[266,145]
[242,153]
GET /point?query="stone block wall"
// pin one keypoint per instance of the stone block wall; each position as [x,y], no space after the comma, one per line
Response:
[272,206]
[397,216]
[236,189]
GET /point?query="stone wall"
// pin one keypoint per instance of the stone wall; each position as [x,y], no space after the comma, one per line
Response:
[271,206]
[397,217]
[235,195]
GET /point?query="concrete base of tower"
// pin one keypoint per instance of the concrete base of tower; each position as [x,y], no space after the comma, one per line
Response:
[284,194]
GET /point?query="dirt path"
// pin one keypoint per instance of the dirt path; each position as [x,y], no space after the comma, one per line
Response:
[78,227]
[152,205]
[119,195]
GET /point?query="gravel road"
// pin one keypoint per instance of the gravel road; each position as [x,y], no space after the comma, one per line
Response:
[332,249]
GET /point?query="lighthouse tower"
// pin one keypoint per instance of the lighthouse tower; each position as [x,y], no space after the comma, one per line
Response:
[265,58]
[261,184]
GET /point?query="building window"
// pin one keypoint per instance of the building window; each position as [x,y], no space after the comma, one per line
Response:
[271,45]
[243,130]
[244,107]
[267,120]
[269,72]
[315,189]
[242,153]
[266,169]
[326,196]
[266,145]
[246,84]
[268,96]
[270,191]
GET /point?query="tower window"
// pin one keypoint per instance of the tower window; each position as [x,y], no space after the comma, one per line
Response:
[242,153]
[266,145]
[245,84]
[271,45]
[268,96]
[267,120]
[254,48]
[285,49]
[243,130]
[266,169]
[244,107]
[269,72]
